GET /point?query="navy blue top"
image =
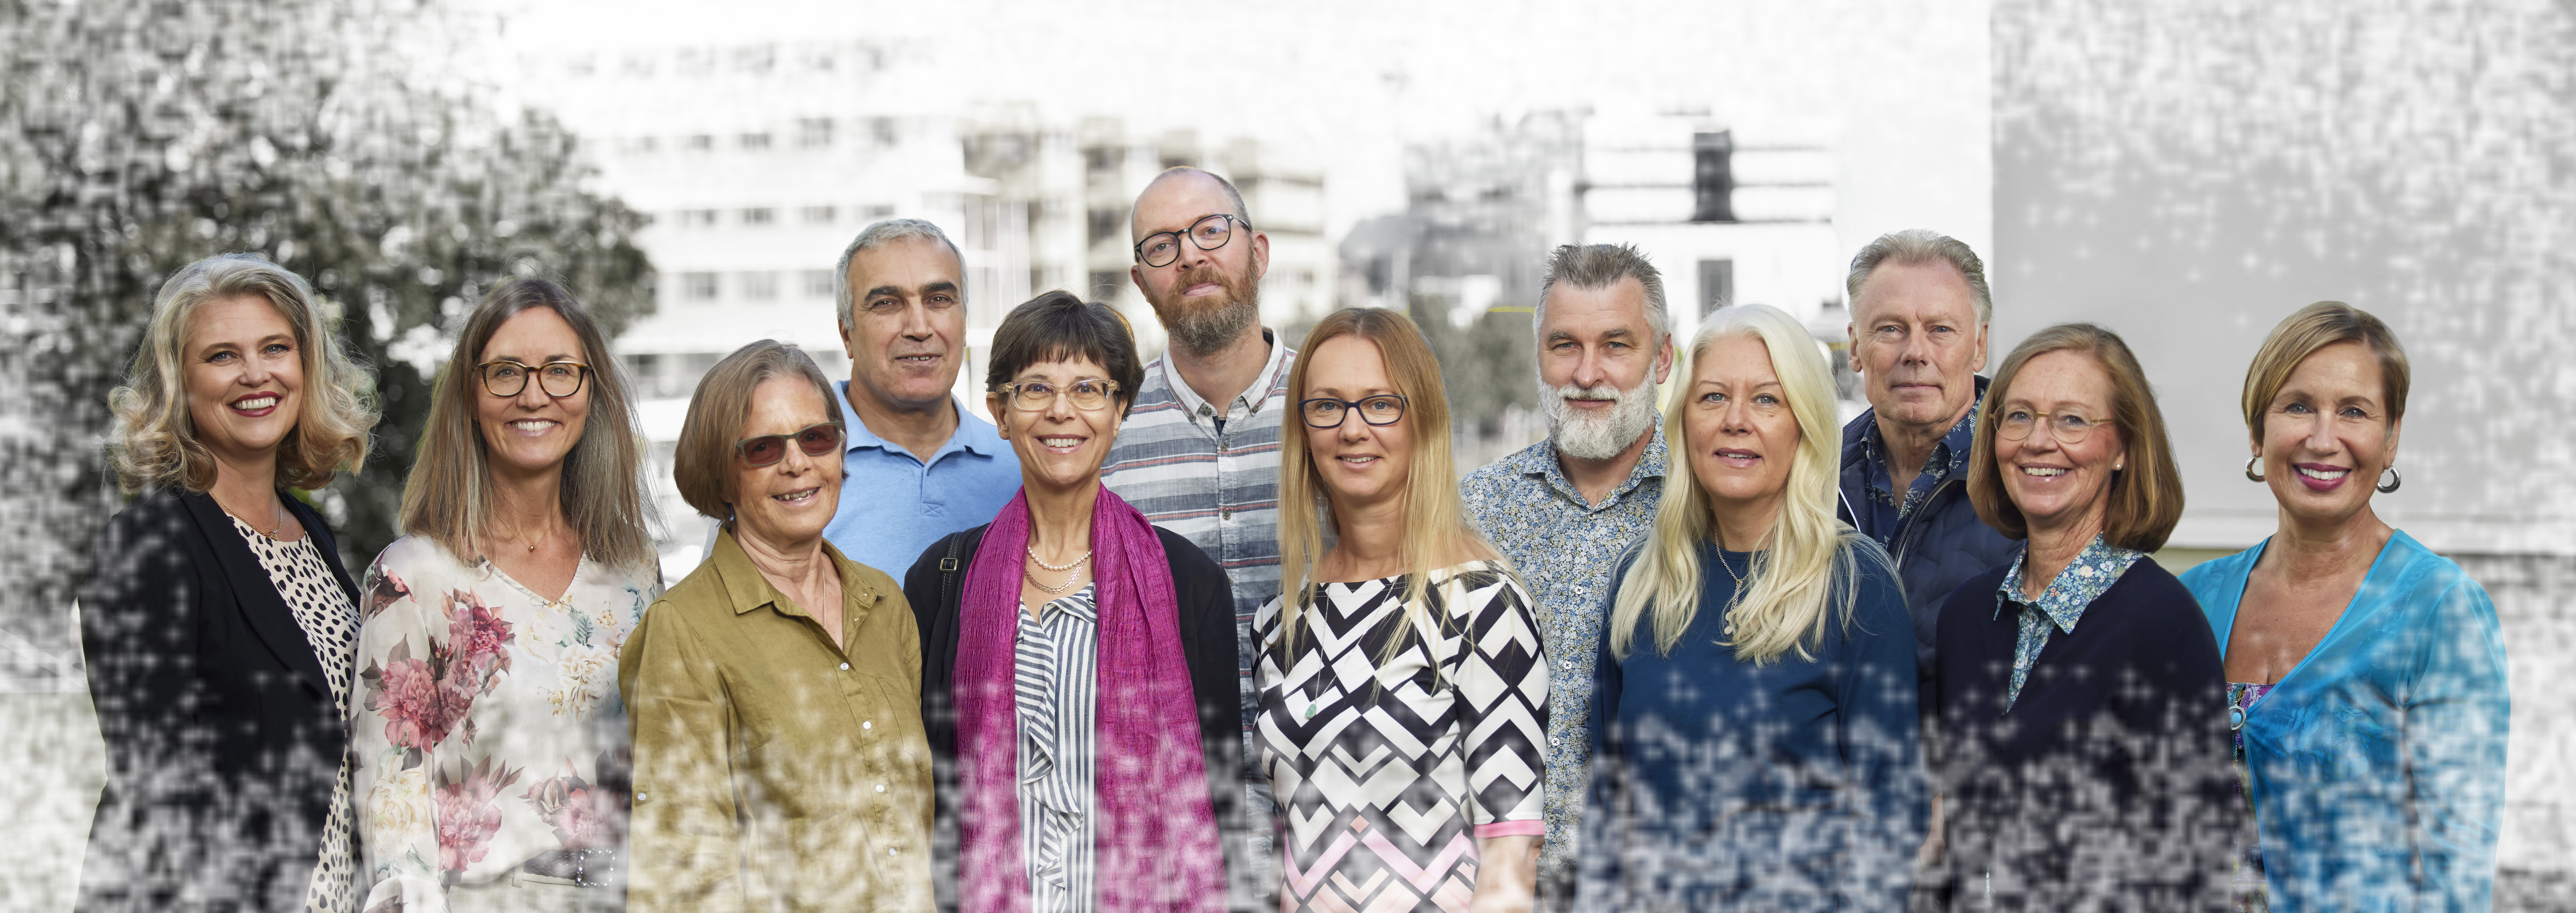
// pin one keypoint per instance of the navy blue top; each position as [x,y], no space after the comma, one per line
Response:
[2107,784]
[1720,784]
[1939,541]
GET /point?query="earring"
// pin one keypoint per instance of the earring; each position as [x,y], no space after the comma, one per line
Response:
[2394,479]
[2250,463]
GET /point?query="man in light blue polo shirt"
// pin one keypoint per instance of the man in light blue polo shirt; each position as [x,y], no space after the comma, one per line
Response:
[920,463]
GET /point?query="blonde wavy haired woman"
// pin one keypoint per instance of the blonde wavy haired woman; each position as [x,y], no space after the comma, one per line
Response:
[1769,756]
[1403,692]
[217,621]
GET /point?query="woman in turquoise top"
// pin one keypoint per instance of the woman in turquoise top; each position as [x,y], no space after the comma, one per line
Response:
[2366,674]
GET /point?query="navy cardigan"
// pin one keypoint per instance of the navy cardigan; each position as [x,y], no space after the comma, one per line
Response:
[2108,784]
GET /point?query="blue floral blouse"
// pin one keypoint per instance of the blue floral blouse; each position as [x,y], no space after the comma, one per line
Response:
[2094,569]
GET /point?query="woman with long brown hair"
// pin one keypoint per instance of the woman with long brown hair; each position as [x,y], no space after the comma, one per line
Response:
[491,745]
[1403,690]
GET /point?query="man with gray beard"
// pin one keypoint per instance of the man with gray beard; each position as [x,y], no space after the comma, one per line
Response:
[1564,509]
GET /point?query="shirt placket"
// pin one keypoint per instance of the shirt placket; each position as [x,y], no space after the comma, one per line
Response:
[850,683]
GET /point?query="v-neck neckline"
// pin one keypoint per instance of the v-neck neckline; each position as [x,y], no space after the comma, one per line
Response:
[2236,608]
[579,564]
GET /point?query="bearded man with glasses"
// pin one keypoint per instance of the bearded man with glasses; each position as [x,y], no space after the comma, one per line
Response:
[1565,508]
[1199,454]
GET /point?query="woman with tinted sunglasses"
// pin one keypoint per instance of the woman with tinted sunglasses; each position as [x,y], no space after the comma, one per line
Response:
[486,734]
[1079,680]
[779,763]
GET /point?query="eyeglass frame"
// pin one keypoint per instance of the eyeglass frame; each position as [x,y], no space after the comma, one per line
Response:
[1010,393]
[2048,419]
[742,448]
[1403,404]
[578,378]
[1233,222]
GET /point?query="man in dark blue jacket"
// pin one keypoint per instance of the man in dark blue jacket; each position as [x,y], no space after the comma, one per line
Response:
[1918,338]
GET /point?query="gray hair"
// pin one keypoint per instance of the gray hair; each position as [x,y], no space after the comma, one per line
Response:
[1598,266]
[880,235]
[1922,247]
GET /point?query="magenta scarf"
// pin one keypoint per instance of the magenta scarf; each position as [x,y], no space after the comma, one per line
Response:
[1155,835]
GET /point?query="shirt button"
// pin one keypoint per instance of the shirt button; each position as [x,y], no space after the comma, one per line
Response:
[845,667]
[1226,514]
[889,851]
[867,724]
[640,796]
[880,787]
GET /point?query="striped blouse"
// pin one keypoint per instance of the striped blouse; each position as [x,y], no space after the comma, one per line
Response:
[1057,689]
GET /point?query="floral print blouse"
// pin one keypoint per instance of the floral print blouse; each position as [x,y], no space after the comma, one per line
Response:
[488,728]
[2094,569]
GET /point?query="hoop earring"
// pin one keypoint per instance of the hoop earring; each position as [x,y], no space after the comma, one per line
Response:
[2250,463]
[2395,479]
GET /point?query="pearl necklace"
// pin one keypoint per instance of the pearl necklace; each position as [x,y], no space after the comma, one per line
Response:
[1073,572]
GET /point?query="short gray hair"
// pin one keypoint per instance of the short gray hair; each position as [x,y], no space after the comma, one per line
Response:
[1922,247]
[880,235]
[1599,266]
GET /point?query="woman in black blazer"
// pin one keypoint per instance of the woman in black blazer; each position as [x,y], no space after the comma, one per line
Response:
[218,622]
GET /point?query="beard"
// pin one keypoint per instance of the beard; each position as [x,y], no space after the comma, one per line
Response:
[1584,435]
[1205,329]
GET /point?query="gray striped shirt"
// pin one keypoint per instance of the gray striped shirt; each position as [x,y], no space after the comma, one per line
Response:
[1056,689]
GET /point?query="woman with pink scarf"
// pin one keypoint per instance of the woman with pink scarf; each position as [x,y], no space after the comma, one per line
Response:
[1079,682]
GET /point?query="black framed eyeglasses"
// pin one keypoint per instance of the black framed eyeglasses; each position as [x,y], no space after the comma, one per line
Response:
[1327,412]
[1039,395]
[1208,233]
[818,439]
[510,378]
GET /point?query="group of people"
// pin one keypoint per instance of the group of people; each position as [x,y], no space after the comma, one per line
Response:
[1225,630]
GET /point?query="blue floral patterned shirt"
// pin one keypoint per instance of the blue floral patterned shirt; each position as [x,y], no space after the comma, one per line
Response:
[1565,550]
[2094,569]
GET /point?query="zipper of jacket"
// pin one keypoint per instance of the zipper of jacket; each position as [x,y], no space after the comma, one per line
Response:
[1905,537]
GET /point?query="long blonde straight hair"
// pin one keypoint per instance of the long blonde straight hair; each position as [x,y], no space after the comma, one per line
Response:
[1784,604]
[449,498]
[1435,520]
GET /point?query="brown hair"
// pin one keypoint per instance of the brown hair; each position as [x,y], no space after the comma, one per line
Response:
[2315,327]
[154,442]
[702,464]
[449,499]
[1057,326]
[2146,498]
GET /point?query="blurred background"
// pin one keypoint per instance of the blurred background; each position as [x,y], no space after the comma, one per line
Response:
[2186,173]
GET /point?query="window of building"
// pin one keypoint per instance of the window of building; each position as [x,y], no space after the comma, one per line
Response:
[881,131]
[1105,285]
[818,283]
[697,218]
[820,215]
[698,286]
[759,215]
[760,286]
[1713,177]
[880,211]
[1104,224]
[1102,158]
[1716,285]
[814,132]
[752,142]
[698,142]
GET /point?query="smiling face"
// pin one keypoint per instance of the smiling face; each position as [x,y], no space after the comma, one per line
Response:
[1598,362]
[1206,299]
[1917,343]
[244,377]
[2057,484]
[1742,435]
[907,321]
[2327,435]
[532,432]
[1061,446]
[786,503]
[1361,464]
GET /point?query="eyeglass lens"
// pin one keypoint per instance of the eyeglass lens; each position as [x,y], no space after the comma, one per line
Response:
[1208,233]
[2068,428]
[1037,395]
[510,378]
[768,449]
[1375,410]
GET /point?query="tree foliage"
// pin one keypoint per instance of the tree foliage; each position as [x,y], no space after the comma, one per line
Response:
[333,136]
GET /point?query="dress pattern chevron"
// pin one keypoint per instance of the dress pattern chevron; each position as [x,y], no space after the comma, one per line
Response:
[1388,773]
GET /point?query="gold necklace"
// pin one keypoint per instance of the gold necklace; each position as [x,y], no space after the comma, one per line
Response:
[275,532]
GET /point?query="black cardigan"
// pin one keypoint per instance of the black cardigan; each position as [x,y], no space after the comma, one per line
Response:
[1207,640]
[223,743]
[2108,784]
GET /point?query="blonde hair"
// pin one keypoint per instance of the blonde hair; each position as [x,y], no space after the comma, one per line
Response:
[1435,520]
[154,443]
[2146,497]
[2315,327]
[449,499]
[1789,596]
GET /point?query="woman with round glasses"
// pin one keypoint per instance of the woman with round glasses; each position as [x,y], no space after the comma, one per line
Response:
[775,690]
[1080,685]
[2366,674]
[489,742]
[1403,692]
[2084,744]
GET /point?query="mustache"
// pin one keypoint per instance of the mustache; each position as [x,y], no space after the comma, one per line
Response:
[1599,393]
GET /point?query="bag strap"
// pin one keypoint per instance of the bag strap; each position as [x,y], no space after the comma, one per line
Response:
[948,566]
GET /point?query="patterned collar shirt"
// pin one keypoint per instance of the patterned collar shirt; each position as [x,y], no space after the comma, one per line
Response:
[1215,482]
[1564,549]
[1949,457]
[2094,570]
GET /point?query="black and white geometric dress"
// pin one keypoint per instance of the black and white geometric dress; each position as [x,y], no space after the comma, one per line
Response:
[1389,771]
[330,623]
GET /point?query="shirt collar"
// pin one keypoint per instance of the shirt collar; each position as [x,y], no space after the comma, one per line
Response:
[973,434]
[1252,397]
[748,591]
[2094,570]
[1541,462]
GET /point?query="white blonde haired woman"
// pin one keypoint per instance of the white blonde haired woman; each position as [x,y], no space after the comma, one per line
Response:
[217,621]
[1403,690]
[491,746]
[1768,756]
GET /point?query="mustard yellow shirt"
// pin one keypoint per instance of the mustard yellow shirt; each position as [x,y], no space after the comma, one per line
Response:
[774,770]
